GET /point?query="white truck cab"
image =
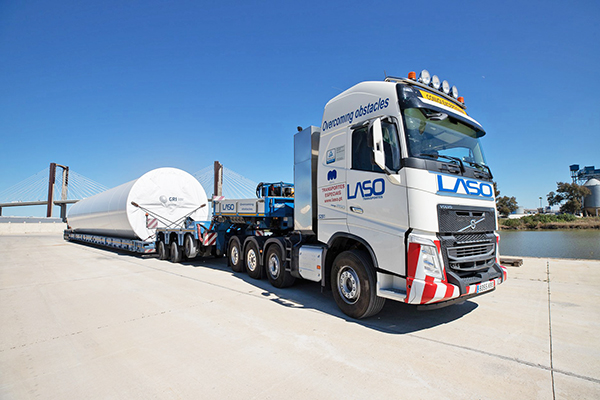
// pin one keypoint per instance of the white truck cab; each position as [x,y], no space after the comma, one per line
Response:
[404,197]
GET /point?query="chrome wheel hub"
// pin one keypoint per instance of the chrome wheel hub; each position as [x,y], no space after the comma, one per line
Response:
[348,285]
[251,261]
[274,266]
[235,255]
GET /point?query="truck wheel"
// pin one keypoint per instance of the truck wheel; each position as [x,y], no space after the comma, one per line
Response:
[278,276]
[175,252]
[190,248]
[162,251]
[354,285]
[253,267]
[234,255]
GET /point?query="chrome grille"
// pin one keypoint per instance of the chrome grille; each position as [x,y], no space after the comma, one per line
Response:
[470,252]
[473,238]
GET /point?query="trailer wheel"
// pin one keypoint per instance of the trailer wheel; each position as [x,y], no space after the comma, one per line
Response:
[253,267]
[234,255]
[162,250]
[276,273]
[354,285]
[175,252]
[190,247]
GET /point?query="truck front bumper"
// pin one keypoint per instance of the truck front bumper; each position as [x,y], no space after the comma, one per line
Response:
[453,290]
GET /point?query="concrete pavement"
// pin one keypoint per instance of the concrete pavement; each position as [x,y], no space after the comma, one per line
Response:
[86,322]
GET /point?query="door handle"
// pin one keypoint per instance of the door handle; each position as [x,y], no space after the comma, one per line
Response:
[357,210]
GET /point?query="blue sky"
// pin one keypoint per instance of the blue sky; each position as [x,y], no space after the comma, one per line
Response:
[114,89]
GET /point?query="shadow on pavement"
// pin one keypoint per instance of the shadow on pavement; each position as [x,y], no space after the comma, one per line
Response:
[394,318]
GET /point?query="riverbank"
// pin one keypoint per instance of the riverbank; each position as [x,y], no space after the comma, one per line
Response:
[549,222]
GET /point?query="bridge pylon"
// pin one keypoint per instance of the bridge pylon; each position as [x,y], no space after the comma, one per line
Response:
[64,190]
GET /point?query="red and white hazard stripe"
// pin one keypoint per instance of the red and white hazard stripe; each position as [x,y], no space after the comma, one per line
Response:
[151,223]
[429,290]
[209,239]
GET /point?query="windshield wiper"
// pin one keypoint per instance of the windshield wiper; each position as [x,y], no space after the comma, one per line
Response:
[482,166]
[462,166]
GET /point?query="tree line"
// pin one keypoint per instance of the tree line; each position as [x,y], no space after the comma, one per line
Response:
[568,196]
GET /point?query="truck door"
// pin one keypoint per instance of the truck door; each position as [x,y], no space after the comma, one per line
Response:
[376,201]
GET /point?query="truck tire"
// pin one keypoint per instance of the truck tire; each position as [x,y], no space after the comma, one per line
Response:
[234,255]
[276,273]
[252,260]
[354,285]
[175,252]
[190,247]
[162,250]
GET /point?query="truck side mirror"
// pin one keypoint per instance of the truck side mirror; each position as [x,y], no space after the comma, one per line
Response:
[378,152]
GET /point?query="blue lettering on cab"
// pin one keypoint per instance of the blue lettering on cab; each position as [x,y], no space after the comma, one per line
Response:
[368,190]
[457,186]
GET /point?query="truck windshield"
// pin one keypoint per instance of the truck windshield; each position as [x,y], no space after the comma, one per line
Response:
[433,134]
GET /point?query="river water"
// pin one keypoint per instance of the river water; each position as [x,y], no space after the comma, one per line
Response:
[576,243]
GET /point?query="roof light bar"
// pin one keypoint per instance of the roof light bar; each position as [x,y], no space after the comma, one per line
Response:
[435,82]
[424,77]
[445,87]
[454,92]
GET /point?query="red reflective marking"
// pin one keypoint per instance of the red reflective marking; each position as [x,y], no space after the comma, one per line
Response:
[413,258]
[449,291]
[428,290]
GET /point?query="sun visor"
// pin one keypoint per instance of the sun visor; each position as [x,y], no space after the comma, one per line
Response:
[416,97]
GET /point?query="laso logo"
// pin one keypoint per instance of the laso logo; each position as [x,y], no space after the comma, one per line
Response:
[368,190]
[228,207]
[332,175]
[455,186]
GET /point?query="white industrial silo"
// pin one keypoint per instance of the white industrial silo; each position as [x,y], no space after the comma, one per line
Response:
[591,203]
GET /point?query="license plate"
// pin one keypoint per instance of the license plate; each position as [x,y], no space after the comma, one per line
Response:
[484,287]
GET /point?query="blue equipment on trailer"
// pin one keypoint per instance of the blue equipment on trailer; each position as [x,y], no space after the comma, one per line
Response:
[271,212]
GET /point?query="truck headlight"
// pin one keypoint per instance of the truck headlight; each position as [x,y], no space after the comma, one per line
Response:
[431,262]
[424,255]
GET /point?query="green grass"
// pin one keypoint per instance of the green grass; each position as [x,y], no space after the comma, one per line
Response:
[548,221]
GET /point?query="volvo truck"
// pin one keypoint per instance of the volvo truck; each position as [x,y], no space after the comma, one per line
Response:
[392,199]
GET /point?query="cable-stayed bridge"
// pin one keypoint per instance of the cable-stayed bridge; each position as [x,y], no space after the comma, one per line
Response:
[235,186]
[59,186]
